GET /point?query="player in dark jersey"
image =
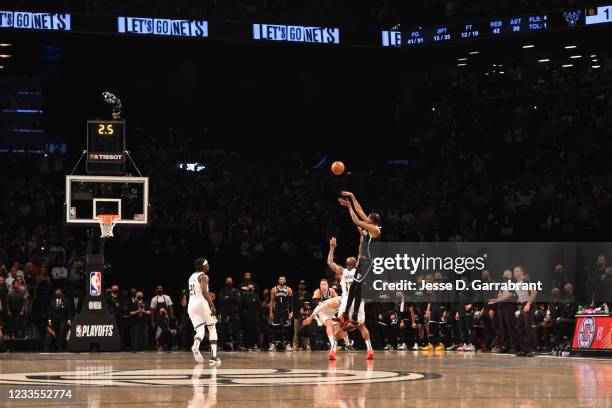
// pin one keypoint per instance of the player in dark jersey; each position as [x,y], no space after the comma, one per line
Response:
[280,313]
[370,230]
[323,293]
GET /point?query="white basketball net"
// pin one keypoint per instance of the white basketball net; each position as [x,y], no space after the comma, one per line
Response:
[107,223]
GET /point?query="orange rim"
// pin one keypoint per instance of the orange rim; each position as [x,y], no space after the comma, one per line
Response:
[107,219]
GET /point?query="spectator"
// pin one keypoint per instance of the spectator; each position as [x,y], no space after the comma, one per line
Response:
[603,293]
[59,274]
[159,301]
[229,309]
[186,325]
[117,308]
[60,320]
[251,304]
[16,311]
[246,281]
[559,279]
[140,316]
[14,273]
[300,297]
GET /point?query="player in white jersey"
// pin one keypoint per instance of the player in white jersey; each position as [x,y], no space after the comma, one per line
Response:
[348,274]
[325,313]
[202,311]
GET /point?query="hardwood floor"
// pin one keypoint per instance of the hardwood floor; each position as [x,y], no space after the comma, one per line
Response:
[306,379]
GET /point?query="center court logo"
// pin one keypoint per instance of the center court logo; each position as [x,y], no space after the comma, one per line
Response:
[229,377]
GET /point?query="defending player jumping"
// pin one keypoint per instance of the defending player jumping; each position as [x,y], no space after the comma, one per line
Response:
[202,311]
[348,274]
[370,230]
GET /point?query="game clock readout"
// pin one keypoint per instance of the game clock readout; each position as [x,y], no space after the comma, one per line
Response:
[105,129]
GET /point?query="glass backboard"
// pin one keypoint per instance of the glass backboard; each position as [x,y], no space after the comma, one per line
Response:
[89,196]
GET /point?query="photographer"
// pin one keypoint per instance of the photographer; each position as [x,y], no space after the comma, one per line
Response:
[309,334]
[165,334]
[139,315]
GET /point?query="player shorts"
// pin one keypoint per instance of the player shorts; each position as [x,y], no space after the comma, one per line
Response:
[419,313]
[325,315]
[199,313]
[280,318]
[360,313]
[363,269]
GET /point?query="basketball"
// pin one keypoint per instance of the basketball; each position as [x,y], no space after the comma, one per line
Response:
[337,168]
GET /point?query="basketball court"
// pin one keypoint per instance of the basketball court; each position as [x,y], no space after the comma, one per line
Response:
[307,379]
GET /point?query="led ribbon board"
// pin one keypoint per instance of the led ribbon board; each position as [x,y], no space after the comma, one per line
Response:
[487,29]
[274,32]
[162,26]
[34,21]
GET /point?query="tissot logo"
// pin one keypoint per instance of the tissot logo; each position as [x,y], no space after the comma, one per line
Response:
[99,156]
[229,377]
[94,330]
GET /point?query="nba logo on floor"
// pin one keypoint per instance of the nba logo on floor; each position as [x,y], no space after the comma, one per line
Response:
[95,283]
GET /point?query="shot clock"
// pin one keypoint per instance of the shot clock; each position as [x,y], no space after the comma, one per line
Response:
[105,146]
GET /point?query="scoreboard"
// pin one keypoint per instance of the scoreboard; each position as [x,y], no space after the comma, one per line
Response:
[105,146]
[483,29]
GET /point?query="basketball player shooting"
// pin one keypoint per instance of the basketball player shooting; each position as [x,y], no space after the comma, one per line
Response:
[370,231]
[202,311]
[346,280]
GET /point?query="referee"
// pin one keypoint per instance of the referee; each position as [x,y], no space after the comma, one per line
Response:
[525,298]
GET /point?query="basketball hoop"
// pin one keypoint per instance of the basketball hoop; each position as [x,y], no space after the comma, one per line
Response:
[107,223]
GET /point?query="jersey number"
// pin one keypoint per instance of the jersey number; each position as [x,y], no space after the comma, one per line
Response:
[192,289]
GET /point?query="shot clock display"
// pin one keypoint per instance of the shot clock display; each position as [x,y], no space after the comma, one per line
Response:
[105,146]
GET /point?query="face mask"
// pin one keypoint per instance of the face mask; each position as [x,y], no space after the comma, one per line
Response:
[115,291]
[159,291]
[58,295]
[139,298]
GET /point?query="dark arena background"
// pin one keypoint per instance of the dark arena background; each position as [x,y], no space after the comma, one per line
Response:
[142,141]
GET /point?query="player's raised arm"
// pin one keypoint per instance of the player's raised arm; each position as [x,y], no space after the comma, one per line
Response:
[330,256]
[372,228]
[203,279]
[350,196]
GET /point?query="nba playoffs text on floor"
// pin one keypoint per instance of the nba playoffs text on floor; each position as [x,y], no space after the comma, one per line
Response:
[37,394]
[488,270]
